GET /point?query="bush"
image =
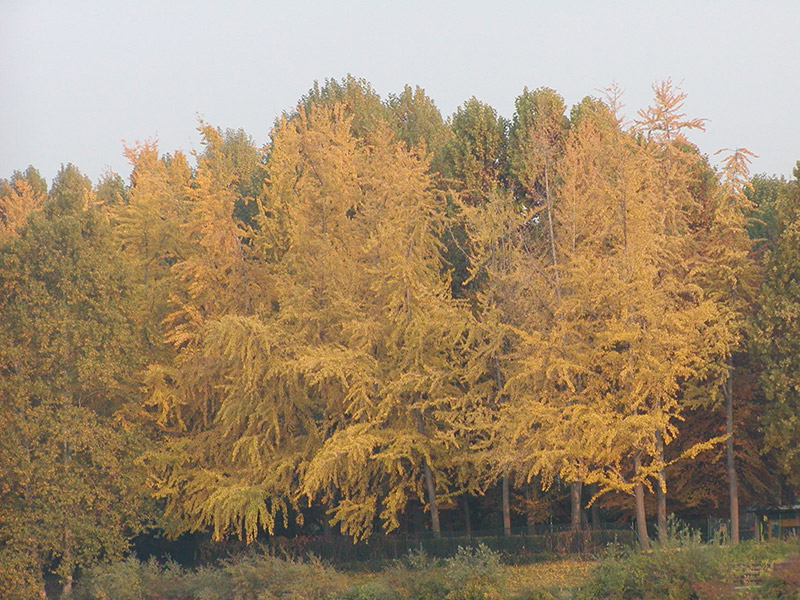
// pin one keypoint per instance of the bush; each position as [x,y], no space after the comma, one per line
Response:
[254,576]
[374,589]
[117,581]
[264,577]
[475,573]
[672,571]
[683,568]
[416,576]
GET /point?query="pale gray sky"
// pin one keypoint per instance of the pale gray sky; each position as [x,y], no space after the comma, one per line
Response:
[79,77]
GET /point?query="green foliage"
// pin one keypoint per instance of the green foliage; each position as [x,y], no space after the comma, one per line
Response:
[361,103]
[253,576]
[476,156]
[687,569]
[777,336]
[474,574]
[536,139]
[416,120]
[69,352]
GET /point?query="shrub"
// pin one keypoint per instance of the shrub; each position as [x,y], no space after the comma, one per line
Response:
[668,573]
[116,581]
[475,573]
[374,589]
[259,576]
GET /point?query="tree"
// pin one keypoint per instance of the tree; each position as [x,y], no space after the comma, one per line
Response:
[475,155]
[776,333]
[20,197]
[357,98]
[664,128]
[417,121]
[620,326]
[496,232]
[71,491]
[726,270]
[376,226]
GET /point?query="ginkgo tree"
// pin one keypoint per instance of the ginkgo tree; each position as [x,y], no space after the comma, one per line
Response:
[598,375]
[315,351]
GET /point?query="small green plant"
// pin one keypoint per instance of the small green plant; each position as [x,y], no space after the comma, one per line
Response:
[418,559]
[680,534]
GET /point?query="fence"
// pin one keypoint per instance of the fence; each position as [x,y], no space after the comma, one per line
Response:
[520,547]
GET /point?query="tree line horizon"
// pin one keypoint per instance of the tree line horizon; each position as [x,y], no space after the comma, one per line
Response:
[382,309]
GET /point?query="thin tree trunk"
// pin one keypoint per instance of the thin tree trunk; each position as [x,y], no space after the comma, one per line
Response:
[733,483]
[467,518]
[529,511]
[661,491]
[506,507]
[549,203]
[638,494]
[595,509]
[327,530]
[432,505]
[576,489]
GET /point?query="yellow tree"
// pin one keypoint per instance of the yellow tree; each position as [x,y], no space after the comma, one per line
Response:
[723,264]
[598,376]
[549,383]
[394,320]
[213,283]
[495,229]
[675,163]
[314,350]
[19,197]
[148,225]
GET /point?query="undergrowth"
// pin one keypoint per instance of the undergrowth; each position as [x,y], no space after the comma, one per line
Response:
[682,568]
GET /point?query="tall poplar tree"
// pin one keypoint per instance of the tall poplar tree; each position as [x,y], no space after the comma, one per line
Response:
[777,332]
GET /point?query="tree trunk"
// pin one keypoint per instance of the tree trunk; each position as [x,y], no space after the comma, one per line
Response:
[595,509]
[66,589]
[549,205]
[506,507]
[327,530]
[733,483]
[661,491]
[638,494]
[432,505]
[576,487]
[467,518]
[529,511]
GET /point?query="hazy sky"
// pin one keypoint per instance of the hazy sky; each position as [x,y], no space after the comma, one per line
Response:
[79,77]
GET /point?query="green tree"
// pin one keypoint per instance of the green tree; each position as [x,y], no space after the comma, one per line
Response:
[23,194]
[417,121]
[68,356]
[359,101]
[475,155]
[777,333]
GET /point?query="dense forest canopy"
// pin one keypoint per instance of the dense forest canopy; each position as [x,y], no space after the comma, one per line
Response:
[383,316]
